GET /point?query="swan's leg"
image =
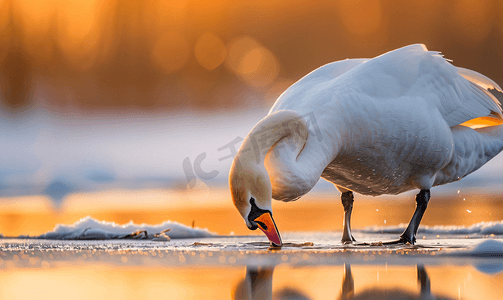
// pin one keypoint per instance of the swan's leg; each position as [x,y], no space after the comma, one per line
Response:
[347,201]
[424,281]
[409,235]
[348,285]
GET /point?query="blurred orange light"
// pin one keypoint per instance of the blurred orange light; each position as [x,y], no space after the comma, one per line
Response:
[252,62]
[4,14]
[35,15]
[259,67]
[36,18]
[4,22]
[78,18]
[210,51]
[169,13]
[171,51]
[499,11]
[78,31]
[360,18]
[237,49]
[471,19]
[276,89]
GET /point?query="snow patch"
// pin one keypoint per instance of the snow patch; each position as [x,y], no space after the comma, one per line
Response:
[488,248]
[91,229]
[483,228]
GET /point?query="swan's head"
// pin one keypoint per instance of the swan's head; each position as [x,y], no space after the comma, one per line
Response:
[252,193]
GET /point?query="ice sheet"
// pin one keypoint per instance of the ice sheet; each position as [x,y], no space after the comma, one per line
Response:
[486,254]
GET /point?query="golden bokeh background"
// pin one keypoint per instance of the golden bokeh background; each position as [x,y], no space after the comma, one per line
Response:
[155,54]
[82,58]
[97,68]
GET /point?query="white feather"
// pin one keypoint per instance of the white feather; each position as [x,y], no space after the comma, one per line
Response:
[388,124]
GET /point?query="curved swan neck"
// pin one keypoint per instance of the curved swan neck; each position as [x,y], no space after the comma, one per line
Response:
[273,148]
[268,132]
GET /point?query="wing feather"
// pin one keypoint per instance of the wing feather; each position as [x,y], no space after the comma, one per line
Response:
[478,79]
[416,74]
[412,74]
[295,93]
[332,70]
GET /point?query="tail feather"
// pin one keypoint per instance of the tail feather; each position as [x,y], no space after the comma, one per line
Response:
[472,149]
[489,87]
[479,79]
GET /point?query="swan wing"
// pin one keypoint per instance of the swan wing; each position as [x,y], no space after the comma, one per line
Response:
[328,72]
[478,79]
[412,74]
[425,78]
[491,89]
[333,69]
[458,98]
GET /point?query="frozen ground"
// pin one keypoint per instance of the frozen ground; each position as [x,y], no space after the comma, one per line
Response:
[310,266]
[313,265]
[302,249]
[91,241]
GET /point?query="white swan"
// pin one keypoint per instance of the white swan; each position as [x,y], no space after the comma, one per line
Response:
[372,126]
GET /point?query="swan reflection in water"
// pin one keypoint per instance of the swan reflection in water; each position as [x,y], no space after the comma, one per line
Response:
[257,285]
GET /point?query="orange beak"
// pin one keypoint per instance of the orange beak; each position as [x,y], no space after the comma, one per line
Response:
[266,223]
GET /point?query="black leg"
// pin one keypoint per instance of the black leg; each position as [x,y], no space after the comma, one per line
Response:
[409,235]
[348,285]
[424,281]
[347,201]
